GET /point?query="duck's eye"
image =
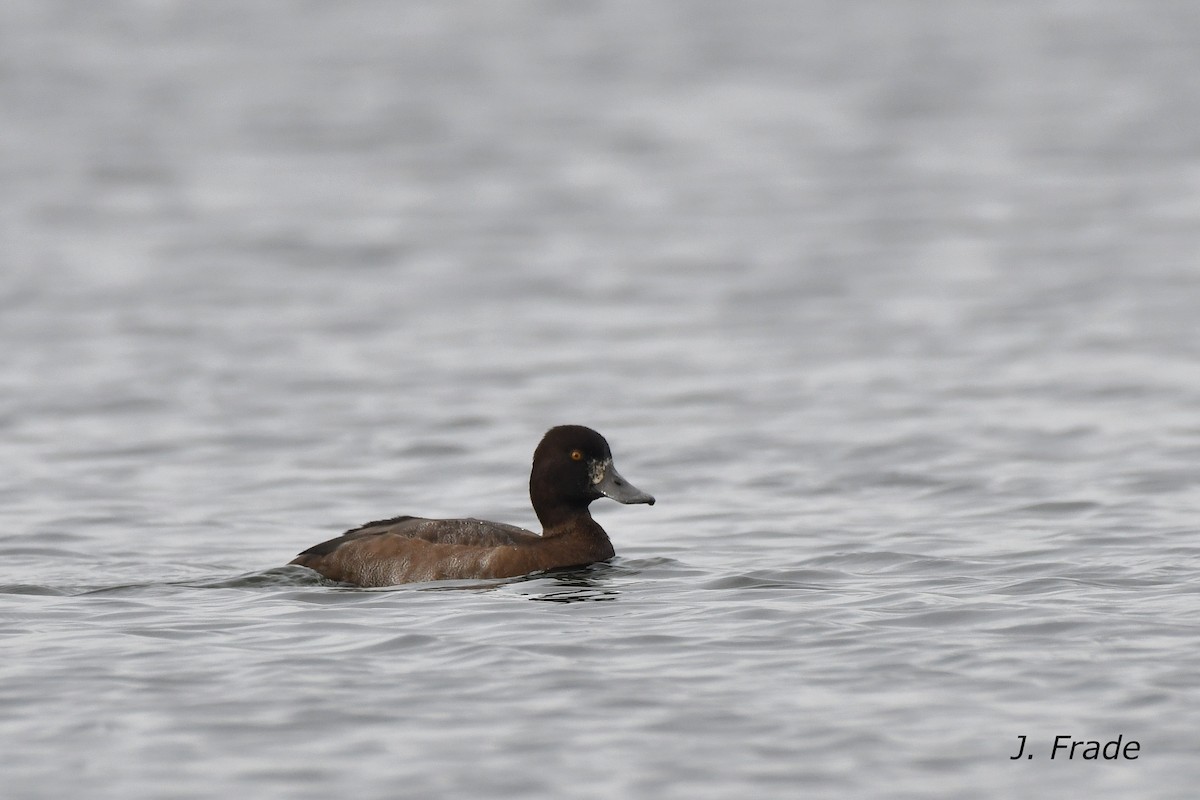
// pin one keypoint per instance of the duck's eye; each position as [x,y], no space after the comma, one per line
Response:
[577,455]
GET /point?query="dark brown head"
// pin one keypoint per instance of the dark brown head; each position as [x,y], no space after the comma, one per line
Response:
[572,466]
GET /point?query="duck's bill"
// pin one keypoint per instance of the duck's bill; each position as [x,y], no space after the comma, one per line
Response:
[611,484]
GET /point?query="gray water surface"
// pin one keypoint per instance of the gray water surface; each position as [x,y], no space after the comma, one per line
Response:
[892,305]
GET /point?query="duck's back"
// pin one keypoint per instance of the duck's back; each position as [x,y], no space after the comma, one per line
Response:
[410,549]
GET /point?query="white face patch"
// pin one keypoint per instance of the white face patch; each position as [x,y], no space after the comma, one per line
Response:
[598,469]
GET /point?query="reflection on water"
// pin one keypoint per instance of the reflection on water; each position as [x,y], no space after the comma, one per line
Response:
[587,584]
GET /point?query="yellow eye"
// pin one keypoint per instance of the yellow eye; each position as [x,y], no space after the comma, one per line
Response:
[577,455]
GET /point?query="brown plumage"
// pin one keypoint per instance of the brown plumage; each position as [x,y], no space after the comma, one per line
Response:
[572,466]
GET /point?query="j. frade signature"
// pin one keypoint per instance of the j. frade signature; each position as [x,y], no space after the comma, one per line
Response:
[1067,748]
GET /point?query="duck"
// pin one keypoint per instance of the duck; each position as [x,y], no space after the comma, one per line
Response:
[572,466]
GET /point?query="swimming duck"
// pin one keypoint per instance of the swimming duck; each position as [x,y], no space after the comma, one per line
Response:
[572,466]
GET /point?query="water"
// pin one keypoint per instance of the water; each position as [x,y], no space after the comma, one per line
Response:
[891,305]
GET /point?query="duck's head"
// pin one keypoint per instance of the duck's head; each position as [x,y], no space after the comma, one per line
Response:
[572,466]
